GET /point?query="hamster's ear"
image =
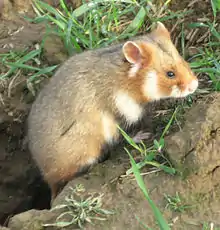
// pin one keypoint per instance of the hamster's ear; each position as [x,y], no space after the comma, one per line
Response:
[138,53]
[160,30]
[132,52]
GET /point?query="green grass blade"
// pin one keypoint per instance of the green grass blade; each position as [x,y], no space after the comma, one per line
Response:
[63,5]
[197,24]
[129,140]
[169,124]
[42,72]
[137,21]
[207,70]
[22,66]
[214,8]
[89,6]
[142,224]
[50,9]
[19,63]
[29,56]
[157,214]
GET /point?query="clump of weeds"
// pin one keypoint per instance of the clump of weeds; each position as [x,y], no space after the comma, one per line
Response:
[79,209]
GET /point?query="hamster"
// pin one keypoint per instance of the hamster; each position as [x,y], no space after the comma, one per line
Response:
[77,112]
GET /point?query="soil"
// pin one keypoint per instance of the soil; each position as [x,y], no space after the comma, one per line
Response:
[21,185]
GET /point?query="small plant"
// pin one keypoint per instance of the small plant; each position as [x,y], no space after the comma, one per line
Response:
[175,203]
[79,209]
[149,154]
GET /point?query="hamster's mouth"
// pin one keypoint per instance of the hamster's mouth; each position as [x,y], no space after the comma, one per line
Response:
[178,93]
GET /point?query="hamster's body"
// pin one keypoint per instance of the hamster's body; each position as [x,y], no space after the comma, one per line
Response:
[78,111]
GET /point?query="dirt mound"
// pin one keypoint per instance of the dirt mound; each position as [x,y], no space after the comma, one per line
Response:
[195,149]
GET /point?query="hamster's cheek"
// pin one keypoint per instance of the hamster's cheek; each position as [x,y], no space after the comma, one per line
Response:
[175,91]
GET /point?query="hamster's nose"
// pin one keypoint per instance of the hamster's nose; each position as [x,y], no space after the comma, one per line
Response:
[193,86]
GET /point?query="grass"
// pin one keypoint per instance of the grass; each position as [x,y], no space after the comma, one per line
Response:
[149,155]
[101,23]
[208,58]
[79,209]
[27,63]
[176,203]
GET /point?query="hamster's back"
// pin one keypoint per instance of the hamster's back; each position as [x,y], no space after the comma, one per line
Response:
[75,88]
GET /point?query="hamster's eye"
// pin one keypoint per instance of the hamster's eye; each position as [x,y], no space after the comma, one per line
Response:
[170,74]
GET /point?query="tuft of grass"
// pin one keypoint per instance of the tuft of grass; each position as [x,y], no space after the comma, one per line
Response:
[208,58]
[27,63]
[175,203]
[208,61]
[149,154]
[101,22]
[79,209]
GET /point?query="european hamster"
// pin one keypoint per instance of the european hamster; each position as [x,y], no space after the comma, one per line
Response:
[77,112]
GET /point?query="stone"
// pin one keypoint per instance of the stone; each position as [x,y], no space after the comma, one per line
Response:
[54,50]
[30,220]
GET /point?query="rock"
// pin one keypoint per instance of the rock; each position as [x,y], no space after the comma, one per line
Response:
[196,148]
[30,220]
[54,50]
[4,228]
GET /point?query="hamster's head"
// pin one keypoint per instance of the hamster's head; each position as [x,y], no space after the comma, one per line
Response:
[158,66]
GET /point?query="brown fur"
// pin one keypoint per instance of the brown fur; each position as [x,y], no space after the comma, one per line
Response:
[65,126]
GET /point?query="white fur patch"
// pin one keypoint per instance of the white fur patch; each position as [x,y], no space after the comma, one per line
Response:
[128,107]
[176,92]
[150,86]
[108,128]
[134,69]
[91,160]
[193,86]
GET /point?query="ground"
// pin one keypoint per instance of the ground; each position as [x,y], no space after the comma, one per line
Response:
[22,188]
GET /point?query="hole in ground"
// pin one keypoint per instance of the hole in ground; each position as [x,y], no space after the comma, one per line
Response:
[21,185]
[37,196]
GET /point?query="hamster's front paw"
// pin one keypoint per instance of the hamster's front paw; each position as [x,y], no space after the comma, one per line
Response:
[140,136]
